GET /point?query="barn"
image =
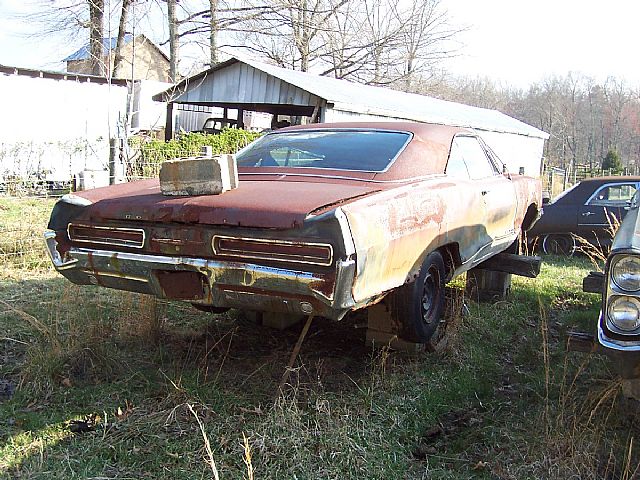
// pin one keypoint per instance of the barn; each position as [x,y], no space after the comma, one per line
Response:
[248,85]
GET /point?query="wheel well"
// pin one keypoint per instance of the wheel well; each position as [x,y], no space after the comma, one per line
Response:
[529,217]
[451,256]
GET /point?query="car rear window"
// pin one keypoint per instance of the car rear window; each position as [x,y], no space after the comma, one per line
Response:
[359,150]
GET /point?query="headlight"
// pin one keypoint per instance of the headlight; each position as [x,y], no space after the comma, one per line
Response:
[624,313]
[626,273]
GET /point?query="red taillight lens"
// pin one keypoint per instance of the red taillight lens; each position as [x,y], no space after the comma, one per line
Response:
[122,237]
[278,250]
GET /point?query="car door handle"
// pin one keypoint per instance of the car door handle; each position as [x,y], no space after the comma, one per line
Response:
[586,214]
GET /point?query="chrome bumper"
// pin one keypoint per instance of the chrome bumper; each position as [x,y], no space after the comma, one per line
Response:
[224,284]
[619,345]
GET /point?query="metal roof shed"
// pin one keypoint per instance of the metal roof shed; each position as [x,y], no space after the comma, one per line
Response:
[250,85]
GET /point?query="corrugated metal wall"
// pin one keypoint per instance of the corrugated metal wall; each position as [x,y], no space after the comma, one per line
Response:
[241,83]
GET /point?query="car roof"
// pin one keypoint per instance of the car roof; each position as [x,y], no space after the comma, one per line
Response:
[612,178]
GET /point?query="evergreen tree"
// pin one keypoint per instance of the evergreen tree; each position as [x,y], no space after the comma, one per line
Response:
[612,162]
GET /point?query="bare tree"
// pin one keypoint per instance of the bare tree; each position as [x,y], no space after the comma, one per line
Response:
[87,17]
[213,32]
[426,38]
[96,28]
[172,21]
[369,41]
[122,28]
[288,32]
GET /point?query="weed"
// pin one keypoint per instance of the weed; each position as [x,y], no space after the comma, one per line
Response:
[169,387]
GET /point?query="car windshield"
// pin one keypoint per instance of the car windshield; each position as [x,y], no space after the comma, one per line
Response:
[358,150]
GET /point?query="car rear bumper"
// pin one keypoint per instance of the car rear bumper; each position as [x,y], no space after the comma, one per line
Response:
[239,284]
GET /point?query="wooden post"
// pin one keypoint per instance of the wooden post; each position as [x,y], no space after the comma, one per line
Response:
[113,155]
[631,388]
[487,285]
[383,330]
[294,354]
[240,119]
[168,128]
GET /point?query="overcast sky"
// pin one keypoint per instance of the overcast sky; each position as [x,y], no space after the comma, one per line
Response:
[516,42]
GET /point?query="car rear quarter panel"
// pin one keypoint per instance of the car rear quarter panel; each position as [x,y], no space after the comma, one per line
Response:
[528,194]
[394,230]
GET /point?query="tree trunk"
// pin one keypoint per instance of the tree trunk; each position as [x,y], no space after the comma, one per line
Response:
[173,40]
[96,17]
[213,33]
[122,26]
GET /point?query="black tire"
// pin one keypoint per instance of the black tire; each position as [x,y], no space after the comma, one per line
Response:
[418,307]
[559,244]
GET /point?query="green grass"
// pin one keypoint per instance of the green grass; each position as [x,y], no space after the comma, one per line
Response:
[504,401]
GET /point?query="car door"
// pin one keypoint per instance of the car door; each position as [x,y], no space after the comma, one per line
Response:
[496,208]
[605,209]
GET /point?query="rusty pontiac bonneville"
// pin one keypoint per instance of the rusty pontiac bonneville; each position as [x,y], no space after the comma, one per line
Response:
[326,219]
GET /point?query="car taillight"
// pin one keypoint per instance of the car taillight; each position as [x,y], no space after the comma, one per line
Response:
[278,250]
[121,237]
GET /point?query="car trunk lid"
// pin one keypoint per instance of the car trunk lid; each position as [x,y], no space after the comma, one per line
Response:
[274,203]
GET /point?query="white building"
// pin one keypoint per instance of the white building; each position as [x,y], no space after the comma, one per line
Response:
[56,125]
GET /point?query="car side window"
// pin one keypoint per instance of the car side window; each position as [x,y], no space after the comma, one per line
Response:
[613,195]
[456,166]
[476,160]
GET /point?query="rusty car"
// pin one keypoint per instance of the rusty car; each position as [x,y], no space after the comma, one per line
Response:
[585,214]
[326,219]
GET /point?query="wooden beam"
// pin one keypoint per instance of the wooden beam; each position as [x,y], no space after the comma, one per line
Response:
[168,129]
[522,265]
[593,283]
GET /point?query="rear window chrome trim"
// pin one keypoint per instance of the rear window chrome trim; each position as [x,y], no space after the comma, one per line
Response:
[340,177]
[105,242]
[409,135]
[274,258]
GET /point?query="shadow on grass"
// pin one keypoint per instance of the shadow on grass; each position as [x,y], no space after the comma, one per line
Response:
[133,366]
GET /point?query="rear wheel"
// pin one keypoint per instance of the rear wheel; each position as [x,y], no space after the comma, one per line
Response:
[419,306]
[559,244]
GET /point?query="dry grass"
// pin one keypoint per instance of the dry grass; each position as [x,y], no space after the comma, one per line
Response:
[178,394]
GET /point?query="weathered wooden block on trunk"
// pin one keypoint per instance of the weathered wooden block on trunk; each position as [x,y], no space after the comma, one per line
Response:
[199,175]
[483,285]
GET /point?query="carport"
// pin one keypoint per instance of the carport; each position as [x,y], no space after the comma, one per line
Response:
[239,85]
[245,84]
